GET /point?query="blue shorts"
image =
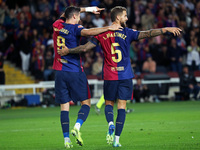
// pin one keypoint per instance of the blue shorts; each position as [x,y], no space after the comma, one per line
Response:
[71,86]
[118,89]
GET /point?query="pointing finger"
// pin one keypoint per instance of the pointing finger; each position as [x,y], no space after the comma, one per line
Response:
[101,8]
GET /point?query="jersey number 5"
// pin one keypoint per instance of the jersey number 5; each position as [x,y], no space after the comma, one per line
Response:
[118,52]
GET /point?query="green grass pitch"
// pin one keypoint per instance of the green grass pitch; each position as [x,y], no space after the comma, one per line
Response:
[152,126]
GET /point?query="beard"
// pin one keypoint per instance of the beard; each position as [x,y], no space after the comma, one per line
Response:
[123,24]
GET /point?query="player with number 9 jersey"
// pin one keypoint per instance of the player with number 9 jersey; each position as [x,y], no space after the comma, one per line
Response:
[68,35]
[70,80]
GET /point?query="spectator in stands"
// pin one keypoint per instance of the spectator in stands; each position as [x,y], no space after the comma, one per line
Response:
[164,58]
[25,51]
[154,48]
[161,18]
[195,22]
[3,11]
[142,48]
[48,63]
[38,61]
[3,36]
[97,67]
[140,91]
[98,22]
[149,65]
[193,57]
[23,20]
[44,5]
[133,57]
[189,4]
[107,19]
[27,13]
[108,4]
[2,74]
[34,38]
[197,11]
[188,84]
[87,64]
[181,42]
[47,21]
[45,38]
[137,13]
[88,21]
[172,21]
[190,36]
[175,55]
[147,20]
[11,24]
[38,22]
[20,31]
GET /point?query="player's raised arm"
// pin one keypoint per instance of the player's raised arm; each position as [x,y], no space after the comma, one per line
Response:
[82,48]
[95,10]
[156,32]
[96,31]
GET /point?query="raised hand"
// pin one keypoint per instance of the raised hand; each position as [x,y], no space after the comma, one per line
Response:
[63,51]
[98,10]
[176,31]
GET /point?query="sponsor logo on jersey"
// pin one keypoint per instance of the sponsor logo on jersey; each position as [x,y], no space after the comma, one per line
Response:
[80,26]
[117,68]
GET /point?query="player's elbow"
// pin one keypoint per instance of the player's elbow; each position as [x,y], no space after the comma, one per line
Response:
[87,32]
[90,33]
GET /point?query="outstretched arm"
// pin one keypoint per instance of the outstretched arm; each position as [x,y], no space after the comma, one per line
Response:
[156,32]
[94,10]
[82,48]
[96,31]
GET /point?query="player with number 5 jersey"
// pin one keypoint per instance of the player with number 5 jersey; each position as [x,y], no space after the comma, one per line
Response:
[117,71]
[115,45]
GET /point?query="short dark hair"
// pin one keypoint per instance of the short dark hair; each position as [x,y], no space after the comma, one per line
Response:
[138,78]
[70,11]
[116,11]
[185,66]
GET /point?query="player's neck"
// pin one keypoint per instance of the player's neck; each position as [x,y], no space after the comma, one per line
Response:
[70,21]
[116,22]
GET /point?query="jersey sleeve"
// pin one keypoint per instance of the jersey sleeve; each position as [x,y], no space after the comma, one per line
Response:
[94,40]
[133,34]
[78,29]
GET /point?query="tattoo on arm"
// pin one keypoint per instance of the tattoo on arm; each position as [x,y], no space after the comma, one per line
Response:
[76,49]
[82,48]
[150,33]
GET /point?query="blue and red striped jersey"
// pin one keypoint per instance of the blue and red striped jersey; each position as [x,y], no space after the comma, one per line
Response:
[116,47]
[69,35]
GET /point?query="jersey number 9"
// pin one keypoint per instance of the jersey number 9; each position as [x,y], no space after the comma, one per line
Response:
[60,41]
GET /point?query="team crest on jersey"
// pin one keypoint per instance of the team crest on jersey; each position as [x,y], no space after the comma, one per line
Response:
[80,26]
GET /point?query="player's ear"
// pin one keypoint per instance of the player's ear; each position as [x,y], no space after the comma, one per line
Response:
[74,16]
[118,18]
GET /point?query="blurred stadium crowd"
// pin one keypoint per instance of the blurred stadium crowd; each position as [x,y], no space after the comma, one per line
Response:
[26,34]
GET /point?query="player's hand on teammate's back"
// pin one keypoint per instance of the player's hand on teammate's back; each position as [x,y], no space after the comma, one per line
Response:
[176,31]
[115,27]
[63,51]
[98,10]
